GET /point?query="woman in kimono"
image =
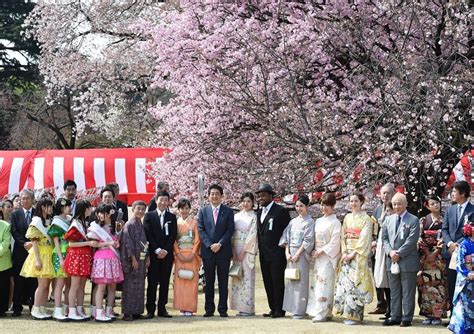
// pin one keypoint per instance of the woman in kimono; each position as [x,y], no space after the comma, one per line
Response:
[326,253]
[186,261]
[355,283]
[462,318]
[78,262]
[106,266]
[244,249]
[135,260]
[58,228]
[39,262]
[432,280]
[298,240]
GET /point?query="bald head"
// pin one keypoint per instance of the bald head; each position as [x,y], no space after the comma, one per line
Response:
[399,203]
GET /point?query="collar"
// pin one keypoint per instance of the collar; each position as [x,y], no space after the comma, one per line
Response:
[161,213]
[403,214]
[463,206]
[269,206]
[216,207]
[30,210]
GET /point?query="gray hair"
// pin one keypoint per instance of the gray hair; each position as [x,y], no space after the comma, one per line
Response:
[29,193]
[390,187]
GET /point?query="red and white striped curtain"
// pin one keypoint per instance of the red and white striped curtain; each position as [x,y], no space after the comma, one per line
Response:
[89,168]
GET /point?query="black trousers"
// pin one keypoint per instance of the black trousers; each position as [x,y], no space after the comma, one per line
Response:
[452,274]
[212,265]
[273,273]
[158,272]
[4,289]
[23,292]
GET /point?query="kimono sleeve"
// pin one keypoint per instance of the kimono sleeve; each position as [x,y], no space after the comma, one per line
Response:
[285,237]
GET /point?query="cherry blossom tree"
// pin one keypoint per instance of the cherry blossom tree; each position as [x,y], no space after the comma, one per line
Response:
[91,54]
[277,90]
[302,94]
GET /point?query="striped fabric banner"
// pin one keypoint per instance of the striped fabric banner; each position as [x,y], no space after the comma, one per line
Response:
[91,168]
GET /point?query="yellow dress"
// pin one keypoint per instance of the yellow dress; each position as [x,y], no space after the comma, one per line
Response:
[45,250]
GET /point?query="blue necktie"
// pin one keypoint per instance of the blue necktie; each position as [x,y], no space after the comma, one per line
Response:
[399,220]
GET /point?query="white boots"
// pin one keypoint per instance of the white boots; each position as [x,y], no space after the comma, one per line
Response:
[59,314]
[39,313]
[82,313]
[77,314]
[109,312]
[101,317]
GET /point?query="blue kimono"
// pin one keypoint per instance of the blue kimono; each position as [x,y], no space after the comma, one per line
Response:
[462,320]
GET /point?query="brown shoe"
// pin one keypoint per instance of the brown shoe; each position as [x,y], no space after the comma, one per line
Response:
[127,317]
[378,310]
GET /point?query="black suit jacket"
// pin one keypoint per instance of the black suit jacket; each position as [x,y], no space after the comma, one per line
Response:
[156,235]
[453,226]
[220,232]
[124,207]
[18,228]
[268,239]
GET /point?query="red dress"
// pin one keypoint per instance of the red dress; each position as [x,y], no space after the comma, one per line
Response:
[78,260]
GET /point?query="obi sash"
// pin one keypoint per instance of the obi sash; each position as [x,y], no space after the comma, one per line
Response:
[239,237]
[103,235]
[296,238]
[186,240]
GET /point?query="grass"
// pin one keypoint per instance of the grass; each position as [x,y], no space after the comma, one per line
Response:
[198,324]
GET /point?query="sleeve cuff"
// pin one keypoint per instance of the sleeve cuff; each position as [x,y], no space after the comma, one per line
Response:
[449,244]
[157,250]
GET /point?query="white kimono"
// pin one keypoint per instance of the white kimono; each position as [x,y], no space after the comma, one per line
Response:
[327,235]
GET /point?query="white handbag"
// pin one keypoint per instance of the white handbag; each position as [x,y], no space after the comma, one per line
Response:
[186,274]
[395,268]
[292,274]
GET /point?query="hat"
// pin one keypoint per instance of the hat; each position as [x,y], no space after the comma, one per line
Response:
[265,187]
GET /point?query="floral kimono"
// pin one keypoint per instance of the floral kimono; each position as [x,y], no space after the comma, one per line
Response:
[355,283]
[462,319]
[242,291]
[327,235]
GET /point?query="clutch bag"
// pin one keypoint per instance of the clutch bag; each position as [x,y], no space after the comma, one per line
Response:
[186,274]
[292,274]
[235,270]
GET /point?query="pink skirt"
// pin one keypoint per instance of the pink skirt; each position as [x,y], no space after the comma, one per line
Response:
[106,267]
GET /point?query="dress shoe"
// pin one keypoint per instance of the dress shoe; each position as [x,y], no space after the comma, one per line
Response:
[385,317]
[268,315]
[389,322]
[378,310]
[149,316]
[405,324]
[164,314]
[223,315]
[278,315]
[138,316]
[208,314]
[127,317]
[16,314]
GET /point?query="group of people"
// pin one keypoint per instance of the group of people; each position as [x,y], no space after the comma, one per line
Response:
[391,250]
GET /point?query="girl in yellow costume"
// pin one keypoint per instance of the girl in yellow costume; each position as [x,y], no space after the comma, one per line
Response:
[39,262]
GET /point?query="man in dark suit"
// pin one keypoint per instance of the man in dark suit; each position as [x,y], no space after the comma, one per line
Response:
[70,192]
[118,204]
[216,226]
[272,219]
[24,290]
[160,186]
[400,238]
[453,223]
[161,230]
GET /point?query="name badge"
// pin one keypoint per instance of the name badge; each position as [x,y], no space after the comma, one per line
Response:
[270,224]
[167,232]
